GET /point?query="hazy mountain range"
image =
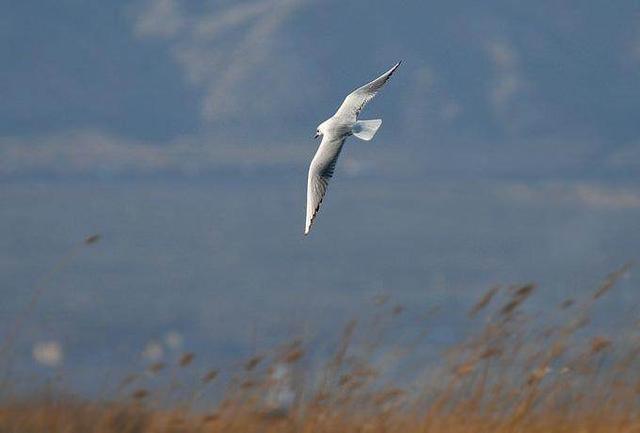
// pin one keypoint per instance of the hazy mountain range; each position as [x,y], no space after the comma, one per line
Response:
[181,131]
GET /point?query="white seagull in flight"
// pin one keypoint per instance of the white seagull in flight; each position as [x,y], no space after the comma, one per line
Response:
[334,131]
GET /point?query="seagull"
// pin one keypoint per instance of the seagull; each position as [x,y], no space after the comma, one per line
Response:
[334,131]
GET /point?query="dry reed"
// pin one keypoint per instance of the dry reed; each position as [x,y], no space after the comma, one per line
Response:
[514,373]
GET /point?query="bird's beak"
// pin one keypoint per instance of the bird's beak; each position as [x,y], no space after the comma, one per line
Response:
[316,136]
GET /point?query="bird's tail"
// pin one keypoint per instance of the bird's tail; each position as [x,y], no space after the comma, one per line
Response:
[366,129]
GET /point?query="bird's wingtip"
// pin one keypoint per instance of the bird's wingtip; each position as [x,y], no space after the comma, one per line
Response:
[396,66]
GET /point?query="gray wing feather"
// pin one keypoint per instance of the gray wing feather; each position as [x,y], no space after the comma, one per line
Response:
[356,100]
[320,172]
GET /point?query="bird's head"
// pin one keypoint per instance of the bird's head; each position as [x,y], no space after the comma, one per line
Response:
[320,130]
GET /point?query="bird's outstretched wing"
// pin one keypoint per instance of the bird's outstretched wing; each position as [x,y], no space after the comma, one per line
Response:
[356,100]
[320,171]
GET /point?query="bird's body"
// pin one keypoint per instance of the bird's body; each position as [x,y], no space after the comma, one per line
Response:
[334,132]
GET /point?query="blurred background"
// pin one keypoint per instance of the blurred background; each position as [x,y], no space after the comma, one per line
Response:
[181,131]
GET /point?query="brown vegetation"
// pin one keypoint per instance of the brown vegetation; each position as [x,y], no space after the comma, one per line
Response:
[515,373]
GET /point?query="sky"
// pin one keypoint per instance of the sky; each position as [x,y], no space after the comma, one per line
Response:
[182,131]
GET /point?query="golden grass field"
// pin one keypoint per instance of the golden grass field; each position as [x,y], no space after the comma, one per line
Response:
[517,372]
